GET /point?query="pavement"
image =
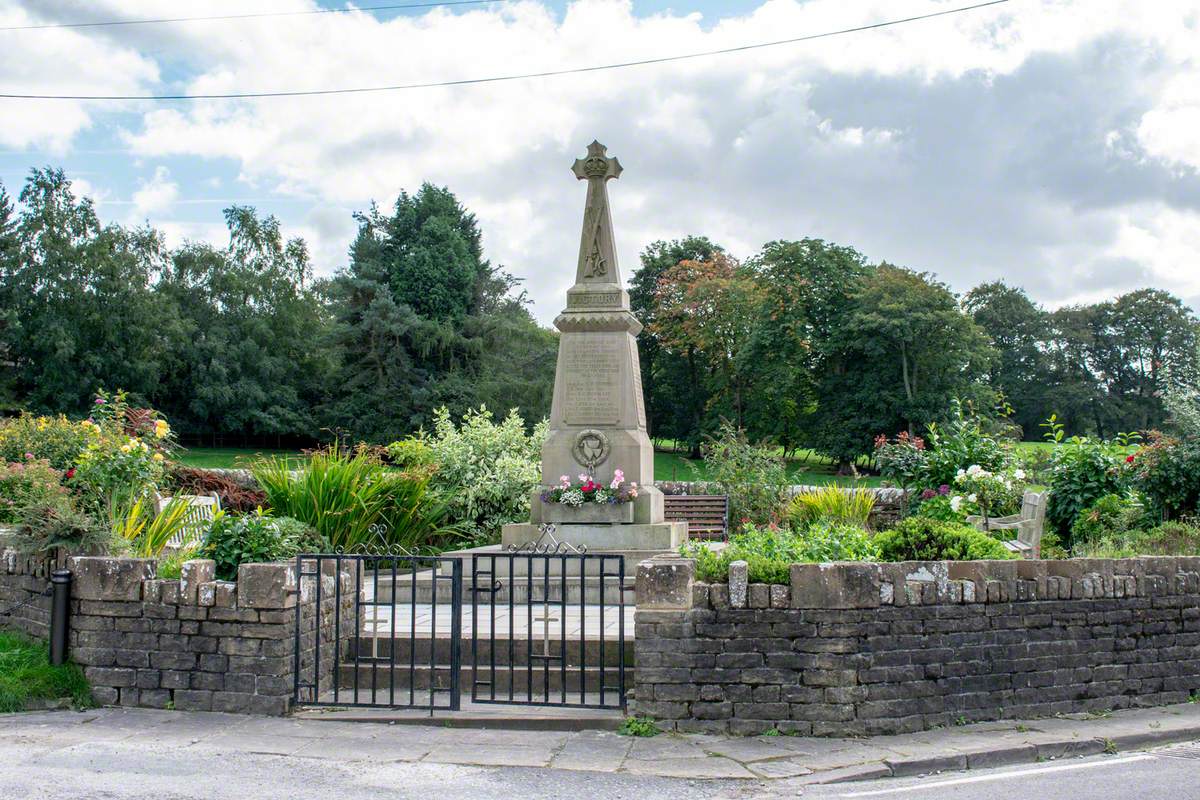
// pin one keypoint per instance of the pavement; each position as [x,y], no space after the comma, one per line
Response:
[127,753]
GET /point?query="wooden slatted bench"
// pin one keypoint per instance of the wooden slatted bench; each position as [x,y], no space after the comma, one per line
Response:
[707,515]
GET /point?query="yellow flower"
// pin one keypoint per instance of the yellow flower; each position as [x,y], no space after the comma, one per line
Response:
[125,448]
[161,428]
[158,456]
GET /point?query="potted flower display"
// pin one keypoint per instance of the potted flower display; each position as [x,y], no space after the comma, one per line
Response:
[589,502]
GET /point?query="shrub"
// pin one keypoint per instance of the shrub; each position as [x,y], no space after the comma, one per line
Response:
[114,472]
[1082,470]
[170,564]
[941,506]
[901,460]
[831,504]
[56,440]
[1111,514]
[1168,471]
[992,494]
[1167,539]
[923,539]
[234,496]
[753,477]
[58,522]
[27,483]
[770,552]
[484,472]
[257,538]
[355,502]
[959,443]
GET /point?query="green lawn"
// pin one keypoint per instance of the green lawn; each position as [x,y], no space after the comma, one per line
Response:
[26,674]
[804,468]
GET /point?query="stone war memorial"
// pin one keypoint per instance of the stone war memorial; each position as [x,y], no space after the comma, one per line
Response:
[598,417]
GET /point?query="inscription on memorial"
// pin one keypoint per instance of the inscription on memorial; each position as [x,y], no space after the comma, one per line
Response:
[595,300]
[591,372]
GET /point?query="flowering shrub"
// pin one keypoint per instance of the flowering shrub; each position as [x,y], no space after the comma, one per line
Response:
[752,476]
[901,459]
[26,483]
[588,491]
[991,493]
[113,472]
[1168,471]
[1081,471]
[485,472]
[959,443]
[56,440]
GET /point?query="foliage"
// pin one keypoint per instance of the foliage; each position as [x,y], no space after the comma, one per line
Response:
[753,476]
[587,490]
[56,440]
[942,506]
[901,459]
[483,471]
[1111,514]
[257,538]
[769,552]
[1167,539]
[147,531]
[1168,471]
[1081,471]
[638,726]
[26,675]
[355,502]
[234,495]
[920,538]
[831,504]
[993,494]
[960,442]
[114,471]
[24,483]
[58,522]
[170,563]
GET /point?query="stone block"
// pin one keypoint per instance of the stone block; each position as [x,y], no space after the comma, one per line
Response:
[193,700]
[225,594]
[266,585]
[739,584]
[110,579]
[833,586]
[192,574]
[781,596]
[665,583]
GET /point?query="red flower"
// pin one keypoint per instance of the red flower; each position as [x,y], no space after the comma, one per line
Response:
[70,473]
[1129,459]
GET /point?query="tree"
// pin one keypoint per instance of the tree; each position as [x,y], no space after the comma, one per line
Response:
[673,400]
[80,310]
[807,288]
[705,312]
[250,354]
[1018,331]
[420,315]
[902,353]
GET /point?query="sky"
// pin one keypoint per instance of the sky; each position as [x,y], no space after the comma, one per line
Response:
[1054,144]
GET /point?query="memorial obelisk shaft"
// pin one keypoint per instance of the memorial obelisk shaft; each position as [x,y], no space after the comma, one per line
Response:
[598,417]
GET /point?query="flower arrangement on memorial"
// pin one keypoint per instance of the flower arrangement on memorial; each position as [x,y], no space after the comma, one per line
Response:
[587,490]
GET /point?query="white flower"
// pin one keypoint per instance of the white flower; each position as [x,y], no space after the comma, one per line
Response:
[961,472]
[972,497]
[956,503]
[1019,474]
[975,470]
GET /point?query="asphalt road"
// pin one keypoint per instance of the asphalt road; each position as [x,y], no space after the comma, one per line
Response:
[1172,773]
[77,763]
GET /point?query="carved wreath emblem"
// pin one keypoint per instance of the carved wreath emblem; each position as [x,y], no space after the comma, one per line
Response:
[591,448]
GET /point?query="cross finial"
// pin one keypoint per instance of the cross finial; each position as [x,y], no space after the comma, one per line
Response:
[597,164]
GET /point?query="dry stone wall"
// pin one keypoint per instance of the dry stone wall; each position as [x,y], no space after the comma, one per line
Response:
[859,649]
[196,643]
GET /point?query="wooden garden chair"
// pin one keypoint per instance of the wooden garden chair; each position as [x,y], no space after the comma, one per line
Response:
[202,509]
[1028,524]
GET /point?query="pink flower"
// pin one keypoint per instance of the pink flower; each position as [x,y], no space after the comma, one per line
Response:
[618,479]
[583,478]
[29,456]
[99,401]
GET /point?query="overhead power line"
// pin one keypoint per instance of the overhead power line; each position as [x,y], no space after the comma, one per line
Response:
[367,9]
[499,78]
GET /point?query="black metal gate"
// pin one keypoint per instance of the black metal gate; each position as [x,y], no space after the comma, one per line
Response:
[378,630]
[548,629]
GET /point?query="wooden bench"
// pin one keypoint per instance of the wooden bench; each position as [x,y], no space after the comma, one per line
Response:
[707,515]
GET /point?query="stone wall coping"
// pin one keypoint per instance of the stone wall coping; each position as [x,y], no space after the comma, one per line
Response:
[669,583]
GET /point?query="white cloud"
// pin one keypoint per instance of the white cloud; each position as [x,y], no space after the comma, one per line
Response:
[154,196]
[1052,143]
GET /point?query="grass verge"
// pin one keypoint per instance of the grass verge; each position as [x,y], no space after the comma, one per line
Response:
[26,675]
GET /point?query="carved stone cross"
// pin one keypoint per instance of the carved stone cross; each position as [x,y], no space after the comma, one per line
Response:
[597,259]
